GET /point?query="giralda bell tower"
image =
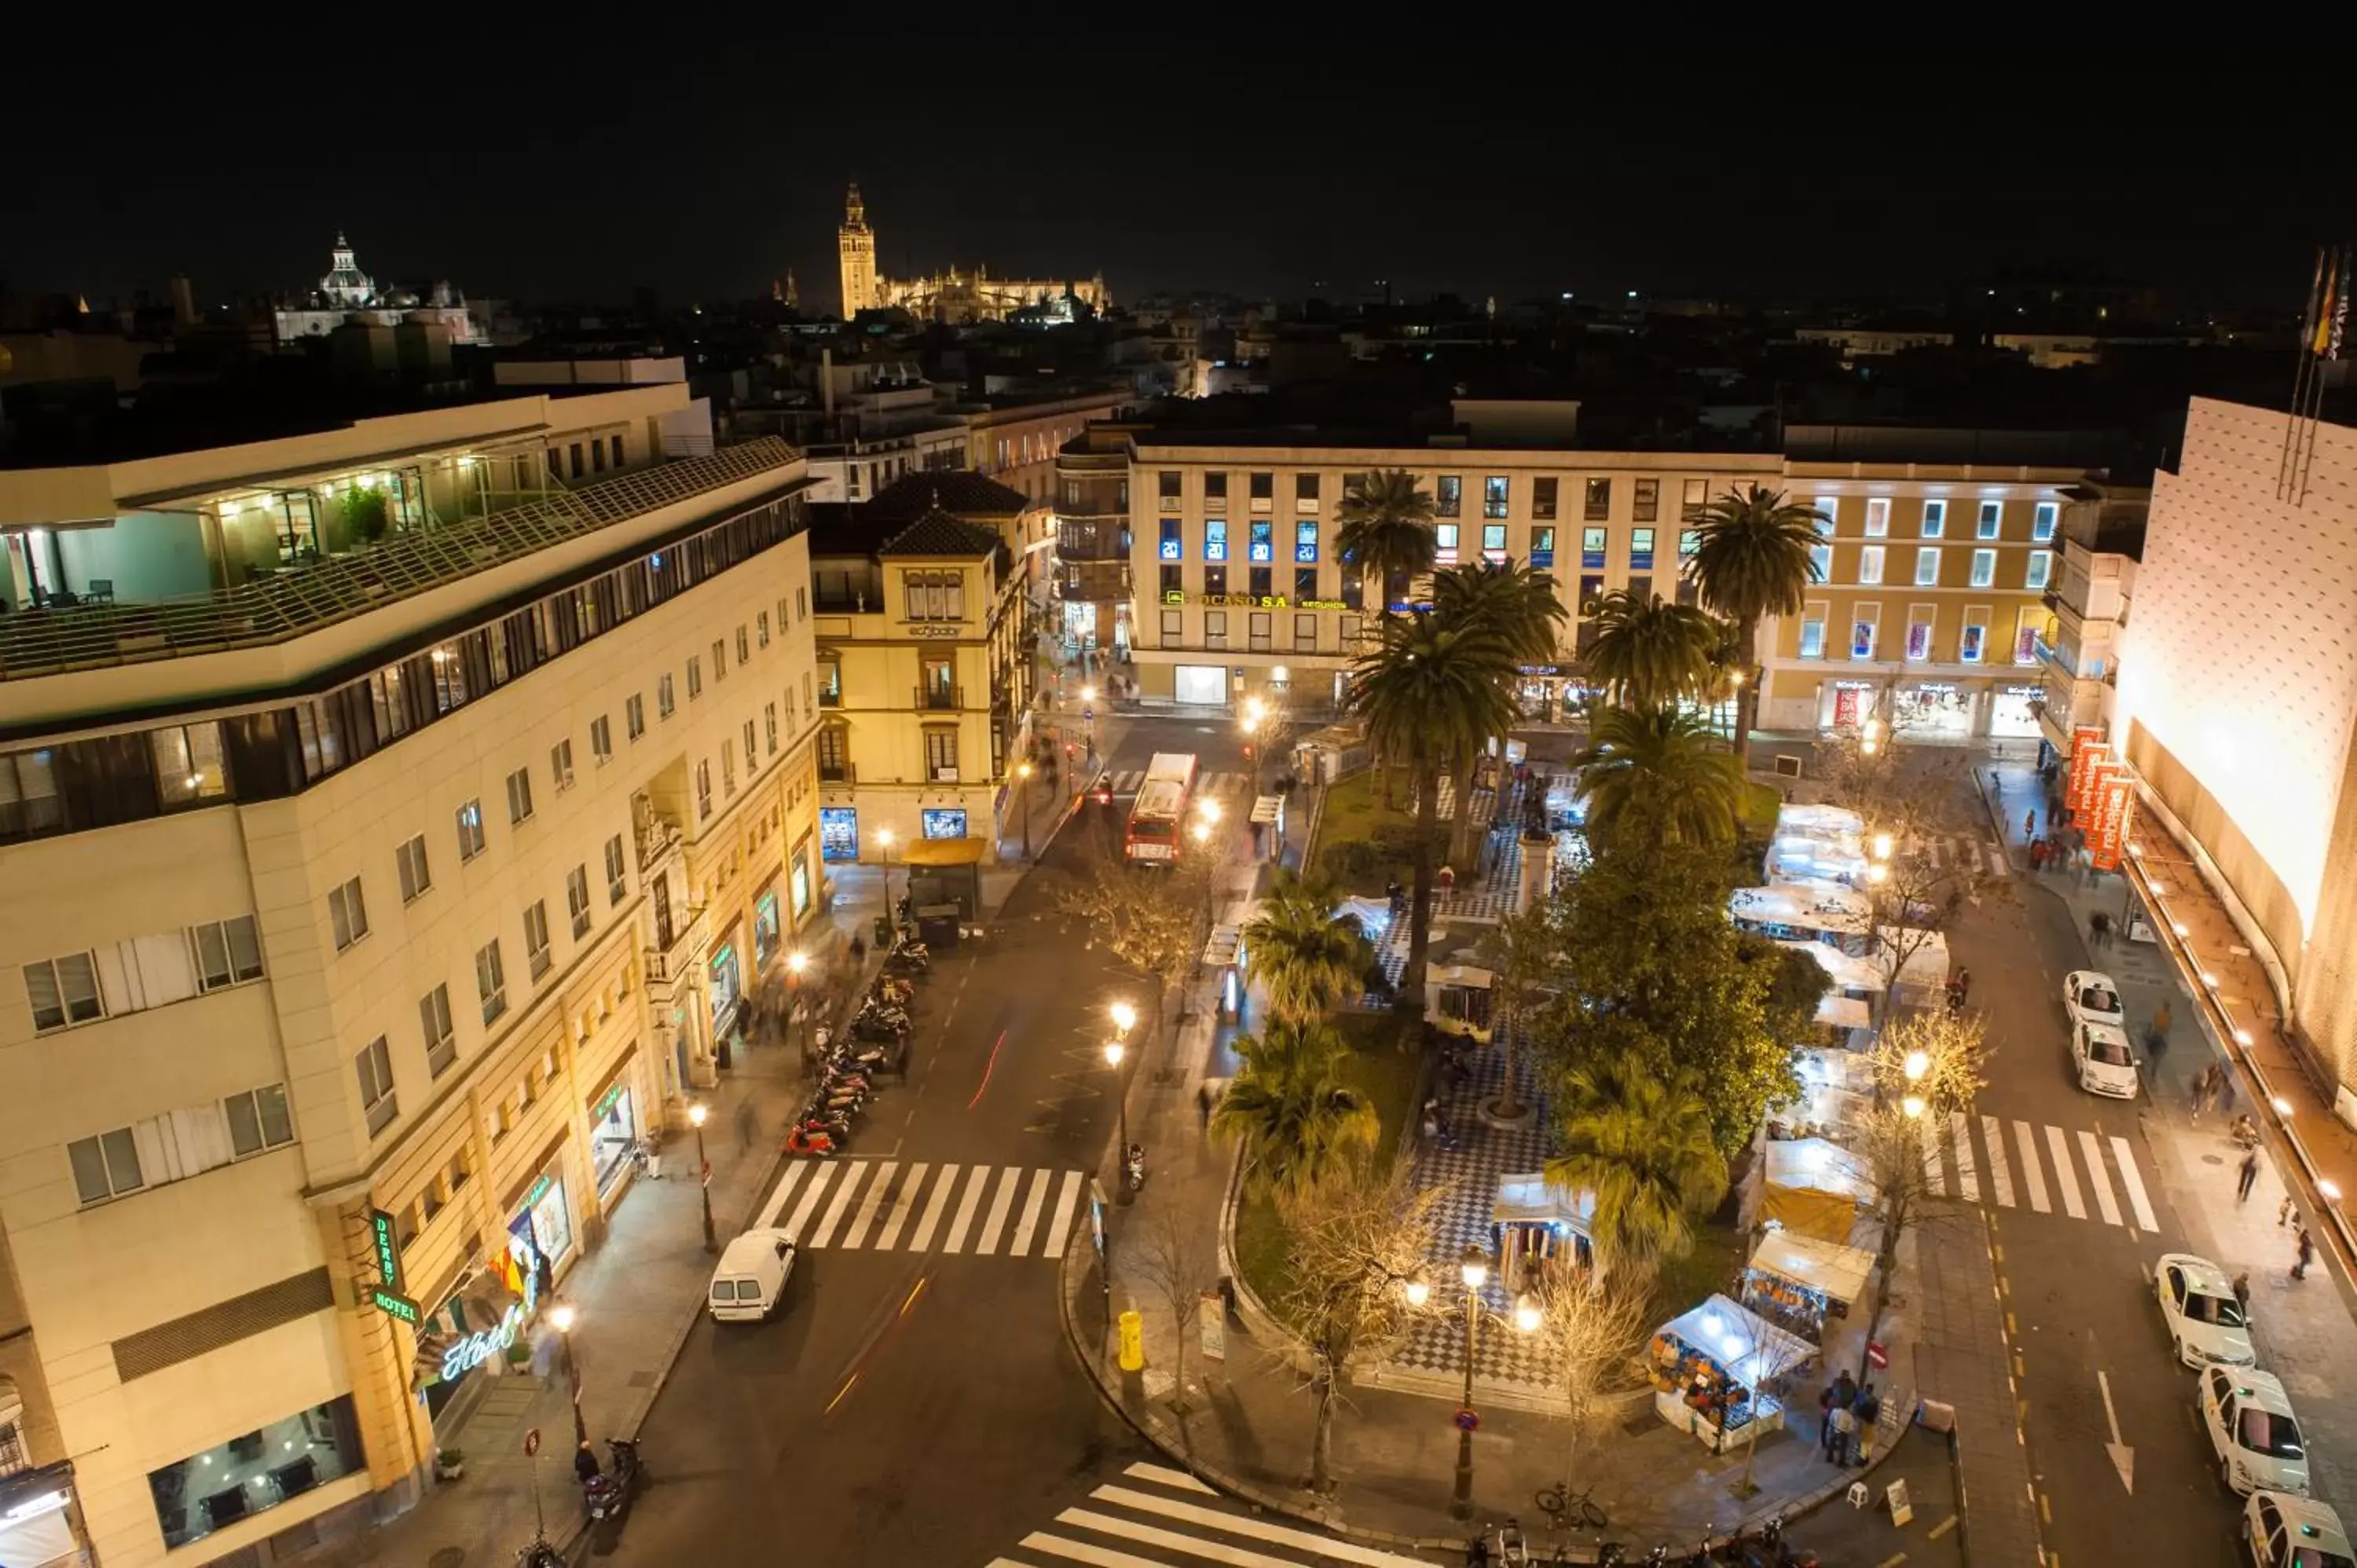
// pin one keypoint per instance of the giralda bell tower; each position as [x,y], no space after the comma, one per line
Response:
[856,244]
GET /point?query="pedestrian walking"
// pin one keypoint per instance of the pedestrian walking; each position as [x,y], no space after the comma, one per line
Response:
[2099,929]
[2161,1019]
[2307,1245]
[1844,1434]
[1869,1409]
[2243,1294]
[2029,824]
[1203,1106]
[1826,1422]
[2283,1212]
[748,1126]
[2250,1175]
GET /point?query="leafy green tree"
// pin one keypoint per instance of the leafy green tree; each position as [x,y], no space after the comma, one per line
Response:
[1298,1121]
[1651,652]
[1522,952]
[1651,964]
[1431,694]
[1643,1145]
[1302,952]
[1657,777]
[1751,561]
[1516,604]
[1386,531]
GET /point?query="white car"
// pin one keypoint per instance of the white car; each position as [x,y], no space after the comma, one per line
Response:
[2106,1064]
[2251,1428]
[2285,1532]
[2205,1323]
[2089,997]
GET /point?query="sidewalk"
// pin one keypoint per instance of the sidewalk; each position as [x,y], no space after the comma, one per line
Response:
[638,1297]
[2304,1329]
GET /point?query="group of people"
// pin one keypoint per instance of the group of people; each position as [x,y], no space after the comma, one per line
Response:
[1851,1409]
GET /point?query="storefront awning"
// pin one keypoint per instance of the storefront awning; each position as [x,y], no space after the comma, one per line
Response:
[1838,1272]
[36,1521]
[1747,1347]
[1838,1012]
[1529,1199]
[943,851]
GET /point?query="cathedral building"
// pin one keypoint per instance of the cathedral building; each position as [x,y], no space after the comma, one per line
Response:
[350,295]
[952,295]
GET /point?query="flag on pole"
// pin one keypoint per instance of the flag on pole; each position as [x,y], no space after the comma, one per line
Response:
[2332,285]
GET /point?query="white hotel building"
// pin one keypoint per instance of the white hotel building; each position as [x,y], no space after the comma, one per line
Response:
[390,818]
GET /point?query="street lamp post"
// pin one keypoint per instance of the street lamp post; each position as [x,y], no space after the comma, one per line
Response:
[1473,1268]
[1023,771]
[796,962]
[1125,1018]
[561,1317]
[695,1115]
[1255,714]
[884,837]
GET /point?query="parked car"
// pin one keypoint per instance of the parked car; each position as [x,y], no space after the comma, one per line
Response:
[2205,1323]
[2103,1061]
[2250,1421]
[2090,996]
[2285,1531]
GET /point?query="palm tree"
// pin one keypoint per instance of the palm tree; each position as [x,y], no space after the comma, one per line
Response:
[1518,604]
[1524,956]
[1431,694]
[1298,1119]
[1302,952]
[1643,1147]
[1657,777]
[1386,531]
[1650,651]
[1752,560]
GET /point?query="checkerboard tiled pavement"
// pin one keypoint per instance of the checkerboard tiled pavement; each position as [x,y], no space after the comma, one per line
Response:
[1468,1175]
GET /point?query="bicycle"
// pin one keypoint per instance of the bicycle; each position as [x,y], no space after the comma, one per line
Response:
[1564,1506]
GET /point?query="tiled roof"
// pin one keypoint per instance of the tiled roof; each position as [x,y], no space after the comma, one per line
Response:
[939,534]
[960,492]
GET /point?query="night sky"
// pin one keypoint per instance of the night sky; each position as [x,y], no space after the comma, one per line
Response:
[545,169]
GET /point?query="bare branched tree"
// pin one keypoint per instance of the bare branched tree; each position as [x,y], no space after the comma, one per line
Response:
[1594,1326]
[1354,1242]
[1172,1252]
[1766,1356]
[1152,919]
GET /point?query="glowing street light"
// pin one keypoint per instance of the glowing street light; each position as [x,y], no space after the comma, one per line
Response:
[695,1115]
[561,1317]
[2283,1106]
[1023,771]
[1882,846]
[1527,1316]
[1473,1268]
[1914,1106]
[1125,1018]
[1877,872]
[1208,809]
[1917,1064]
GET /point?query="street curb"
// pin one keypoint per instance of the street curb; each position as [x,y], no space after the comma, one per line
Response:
[1155,1432]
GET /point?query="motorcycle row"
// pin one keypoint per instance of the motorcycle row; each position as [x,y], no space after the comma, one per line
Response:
[1504,1546]
[875,1042]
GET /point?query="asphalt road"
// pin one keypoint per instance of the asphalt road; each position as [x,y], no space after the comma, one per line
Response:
[2078,1285]
[920,1399]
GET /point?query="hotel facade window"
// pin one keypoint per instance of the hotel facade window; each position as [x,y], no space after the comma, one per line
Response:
[1597,506]
[1593,544]
[1820,554]
[1869,565]
[1647,503]
[1448,495]
[2043,521]
[1992,519]
[1495,491]
[1640,550]
[1215,539]
[1984,568]
[1927,566]
[1866,621]
[1543,546]
[2041,566]
[1812,632]
[1542,496]
[1935,518]
[1878,516]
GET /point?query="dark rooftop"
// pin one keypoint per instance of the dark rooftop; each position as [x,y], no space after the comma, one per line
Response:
[939,534]
[960,492]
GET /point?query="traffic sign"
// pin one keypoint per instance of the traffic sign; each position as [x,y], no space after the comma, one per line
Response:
[532,1442]
[1878,1353]
[1469,1420]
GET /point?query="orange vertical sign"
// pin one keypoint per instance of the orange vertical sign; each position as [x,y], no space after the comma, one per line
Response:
[2108,841]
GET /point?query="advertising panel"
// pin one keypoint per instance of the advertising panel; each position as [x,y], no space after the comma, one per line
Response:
[2108,839]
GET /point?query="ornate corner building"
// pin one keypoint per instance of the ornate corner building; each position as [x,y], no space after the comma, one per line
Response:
[952,295]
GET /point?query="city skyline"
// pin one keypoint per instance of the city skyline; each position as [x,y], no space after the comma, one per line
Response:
[1618,177]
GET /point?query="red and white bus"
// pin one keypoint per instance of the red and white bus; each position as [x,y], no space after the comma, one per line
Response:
[1157,818]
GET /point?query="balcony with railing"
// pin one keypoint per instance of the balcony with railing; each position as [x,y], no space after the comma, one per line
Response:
[312,595]
[940,699]
[838,771]
[668,966]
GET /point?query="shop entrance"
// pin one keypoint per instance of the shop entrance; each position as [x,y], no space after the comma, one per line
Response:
[838,833]
[1933,709]
[1205,686]
[2013,712]
[613,1137]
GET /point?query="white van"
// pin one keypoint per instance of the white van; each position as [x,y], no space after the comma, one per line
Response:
[751,1278]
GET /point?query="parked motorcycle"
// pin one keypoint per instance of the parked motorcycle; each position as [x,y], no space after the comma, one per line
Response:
[1133,1167]
[802,1140]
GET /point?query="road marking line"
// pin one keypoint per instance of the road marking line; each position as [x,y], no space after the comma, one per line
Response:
[2000,1178]
[810,1200]
[2033,1175]
[902,1205]
[1059,1225]
[786,1185]
[1968,1181]
[2133,1183]
[834,1215]
[1324,1546]
[865,1216]
[977,1178]
[1010,1178]
[1941,1528]
[944,1182]
[1164,1473]
[1082,1552]
[1035,1202]
[2064,1177]
[2094,1155]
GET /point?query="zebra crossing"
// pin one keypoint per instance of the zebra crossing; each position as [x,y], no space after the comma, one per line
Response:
[916,1205]
[1155,1514]
[1979,1157]
[1968,853]
[1224,786]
